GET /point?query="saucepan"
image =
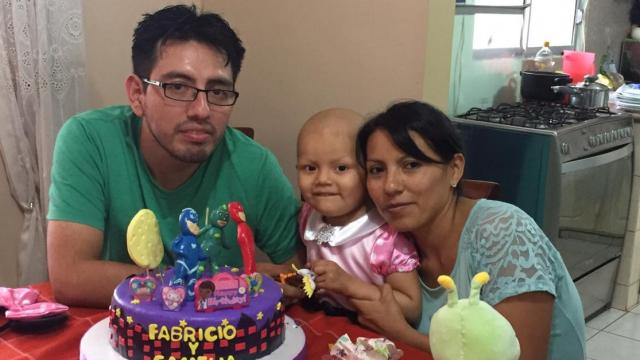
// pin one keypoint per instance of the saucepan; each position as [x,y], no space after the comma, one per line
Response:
[536,85]
[588,94]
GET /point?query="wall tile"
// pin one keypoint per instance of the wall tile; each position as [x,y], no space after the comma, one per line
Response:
[624,271]
[625,297]
[633,222]
[629,271]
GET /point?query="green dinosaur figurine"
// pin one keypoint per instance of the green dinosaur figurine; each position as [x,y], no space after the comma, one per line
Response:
[470,328]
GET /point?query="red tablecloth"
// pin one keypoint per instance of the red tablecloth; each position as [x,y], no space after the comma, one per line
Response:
[64,342]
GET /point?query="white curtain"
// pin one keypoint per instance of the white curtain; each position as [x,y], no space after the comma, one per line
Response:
[42,83]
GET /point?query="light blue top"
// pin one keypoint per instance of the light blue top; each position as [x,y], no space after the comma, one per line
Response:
[504,241]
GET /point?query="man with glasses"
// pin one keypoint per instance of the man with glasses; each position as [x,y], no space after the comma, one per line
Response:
[169,149]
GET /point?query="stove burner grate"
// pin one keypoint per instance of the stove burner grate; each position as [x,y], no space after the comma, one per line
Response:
[537,115]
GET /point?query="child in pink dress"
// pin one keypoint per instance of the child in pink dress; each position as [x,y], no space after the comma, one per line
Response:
[349,246]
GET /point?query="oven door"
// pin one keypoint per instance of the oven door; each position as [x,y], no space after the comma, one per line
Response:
[594,205]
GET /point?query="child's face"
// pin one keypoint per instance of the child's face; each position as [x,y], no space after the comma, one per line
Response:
[329,177]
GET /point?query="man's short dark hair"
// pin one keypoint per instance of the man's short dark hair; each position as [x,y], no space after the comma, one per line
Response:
[183,23]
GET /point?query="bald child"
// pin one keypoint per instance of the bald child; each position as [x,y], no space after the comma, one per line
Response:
[349,246]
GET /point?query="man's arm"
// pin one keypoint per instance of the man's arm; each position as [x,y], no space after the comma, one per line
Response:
[77,275]
[274,271]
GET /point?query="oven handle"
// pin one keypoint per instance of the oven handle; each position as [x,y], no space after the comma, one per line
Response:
[597,160]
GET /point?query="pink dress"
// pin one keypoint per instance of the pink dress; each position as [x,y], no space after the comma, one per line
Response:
[366,248]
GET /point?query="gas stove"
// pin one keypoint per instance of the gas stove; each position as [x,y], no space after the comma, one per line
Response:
[535,115]
[578,132]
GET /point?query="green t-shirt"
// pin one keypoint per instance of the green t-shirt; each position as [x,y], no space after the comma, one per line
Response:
[99,178]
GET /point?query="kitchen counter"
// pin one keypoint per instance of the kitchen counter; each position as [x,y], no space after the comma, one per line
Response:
[627,285]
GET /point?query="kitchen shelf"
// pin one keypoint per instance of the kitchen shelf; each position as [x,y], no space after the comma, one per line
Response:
[464,9]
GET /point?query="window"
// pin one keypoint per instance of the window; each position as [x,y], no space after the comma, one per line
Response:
[490,31]
[553,21]
[521,25]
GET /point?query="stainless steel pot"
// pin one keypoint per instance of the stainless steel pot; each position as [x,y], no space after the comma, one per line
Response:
[588,94]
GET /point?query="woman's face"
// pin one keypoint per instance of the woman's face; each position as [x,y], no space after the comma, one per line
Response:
[408,192]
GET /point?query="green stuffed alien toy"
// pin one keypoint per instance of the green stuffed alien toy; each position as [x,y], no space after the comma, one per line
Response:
[470,328]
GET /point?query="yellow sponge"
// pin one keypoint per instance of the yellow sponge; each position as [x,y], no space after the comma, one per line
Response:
[143,240]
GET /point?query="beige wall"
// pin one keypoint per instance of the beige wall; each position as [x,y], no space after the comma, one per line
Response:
[437,68]
[108,29]
[301,57]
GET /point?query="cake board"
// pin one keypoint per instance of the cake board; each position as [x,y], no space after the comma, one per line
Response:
[95,343]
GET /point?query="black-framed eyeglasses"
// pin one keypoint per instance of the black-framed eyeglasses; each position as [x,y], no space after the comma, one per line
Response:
[182,92]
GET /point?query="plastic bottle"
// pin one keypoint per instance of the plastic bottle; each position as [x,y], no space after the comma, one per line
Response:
[544,59]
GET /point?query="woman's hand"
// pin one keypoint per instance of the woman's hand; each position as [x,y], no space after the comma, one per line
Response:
[385,317]
[376,314]
[330,276]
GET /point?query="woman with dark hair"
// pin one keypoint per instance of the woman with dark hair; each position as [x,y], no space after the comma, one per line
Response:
[414,163]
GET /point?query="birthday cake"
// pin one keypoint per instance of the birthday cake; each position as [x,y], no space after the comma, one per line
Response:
[143,330]
[194,309]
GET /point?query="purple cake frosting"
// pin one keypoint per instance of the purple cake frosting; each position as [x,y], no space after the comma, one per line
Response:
[143,330]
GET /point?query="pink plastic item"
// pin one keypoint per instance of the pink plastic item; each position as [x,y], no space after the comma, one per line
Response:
[578,64]
[21,303]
